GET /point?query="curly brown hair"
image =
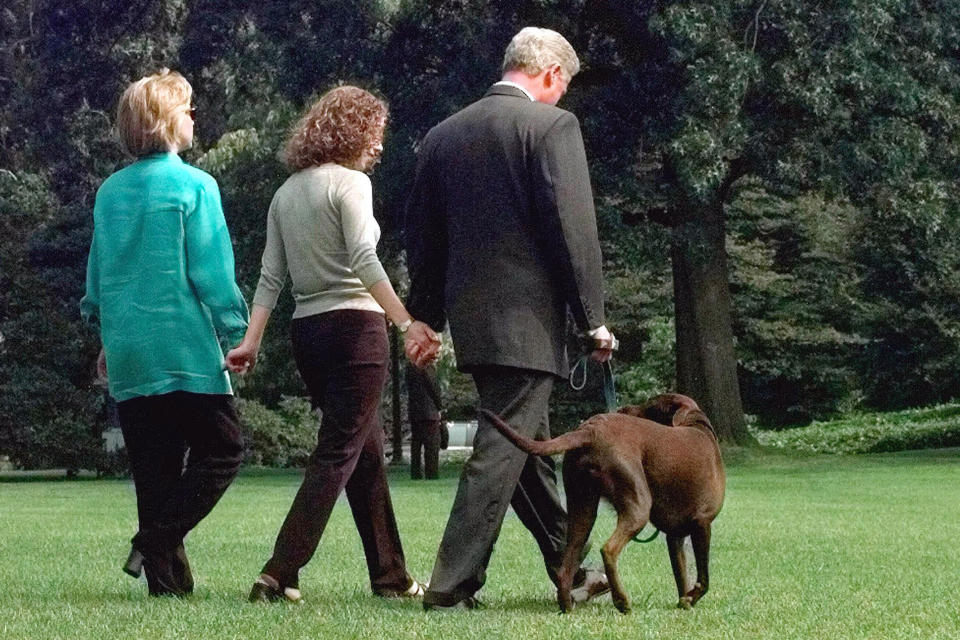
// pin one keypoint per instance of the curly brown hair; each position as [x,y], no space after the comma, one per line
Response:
[338,128]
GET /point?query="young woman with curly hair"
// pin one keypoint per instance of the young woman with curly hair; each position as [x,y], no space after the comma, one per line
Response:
[321,230]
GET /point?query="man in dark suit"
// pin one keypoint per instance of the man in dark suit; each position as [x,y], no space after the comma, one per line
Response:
[426,426]
[502,242]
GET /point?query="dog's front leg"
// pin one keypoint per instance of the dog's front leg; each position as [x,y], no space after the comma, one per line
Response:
[701,551]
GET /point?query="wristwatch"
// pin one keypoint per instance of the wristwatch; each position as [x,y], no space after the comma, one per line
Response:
[403,326]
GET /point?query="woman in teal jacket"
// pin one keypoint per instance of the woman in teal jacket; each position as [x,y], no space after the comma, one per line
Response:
[161,287]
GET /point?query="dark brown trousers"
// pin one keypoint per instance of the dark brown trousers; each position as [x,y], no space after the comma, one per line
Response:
[342,357]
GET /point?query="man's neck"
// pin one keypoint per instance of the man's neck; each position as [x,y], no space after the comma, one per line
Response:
[508,83]
[527,83]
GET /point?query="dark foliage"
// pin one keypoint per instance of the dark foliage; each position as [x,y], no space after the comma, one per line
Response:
[824,140]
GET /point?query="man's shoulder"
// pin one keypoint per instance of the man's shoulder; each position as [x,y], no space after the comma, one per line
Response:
[505,111]
[538,114]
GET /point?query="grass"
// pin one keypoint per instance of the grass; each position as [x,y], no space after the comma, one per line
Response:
[925,428]
[819,547]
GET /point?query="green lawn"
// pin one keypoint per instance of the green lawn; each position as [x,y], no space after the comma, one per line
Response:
[825,547]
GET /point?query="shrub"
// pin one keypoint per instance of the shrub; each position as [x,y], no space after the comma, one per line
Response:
[284,437]
[932,427]
[48,422]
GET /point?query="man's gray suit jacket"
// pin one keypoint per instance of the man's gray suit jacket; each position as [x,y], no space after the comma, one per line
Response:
[501,233]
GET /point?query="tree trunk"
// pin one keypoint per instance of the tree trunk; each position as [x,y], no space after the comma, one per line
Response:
[706,361]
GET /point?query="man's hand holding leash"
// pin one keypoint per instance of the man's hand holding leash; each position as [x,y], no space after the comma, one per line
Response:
[604,344]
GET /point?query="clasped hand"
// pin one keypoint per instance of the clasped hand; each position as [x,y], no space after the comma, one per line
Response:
[422,344]
[242,358]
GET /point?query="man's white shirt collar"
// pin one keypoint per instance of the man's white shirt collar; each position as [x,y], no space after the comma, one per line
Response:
[516,86]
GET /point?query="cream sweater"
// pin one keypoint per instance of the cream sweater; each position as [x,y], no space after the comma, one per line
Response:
[321,230]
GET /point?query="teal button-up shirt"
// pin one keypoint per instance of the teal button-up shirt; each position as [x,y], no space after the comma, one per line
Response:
[160,280]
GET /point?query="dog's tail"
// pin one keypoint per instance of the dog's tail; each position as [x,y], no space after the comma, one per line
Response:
[572,440]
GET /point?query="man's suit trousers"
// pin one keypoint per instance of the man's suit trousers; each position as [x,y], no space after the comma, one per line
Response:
[496,475]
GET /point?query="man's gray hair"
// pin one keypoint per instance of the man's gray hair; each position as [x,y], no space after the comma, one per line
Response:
[534,49]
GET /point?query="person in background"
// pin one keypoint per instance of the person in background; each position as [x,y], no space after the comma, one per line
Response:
[426,424]
[160,287]
[502,240]
[321,231]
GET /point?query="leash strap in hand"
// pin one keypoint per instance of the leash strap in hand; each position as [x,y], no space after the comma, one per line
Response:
[581,366]
[578,380]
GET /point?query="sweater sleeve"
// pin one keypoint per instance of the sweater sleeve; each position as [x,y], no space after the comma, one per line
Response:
[273,265]
[355,203]
[210,265]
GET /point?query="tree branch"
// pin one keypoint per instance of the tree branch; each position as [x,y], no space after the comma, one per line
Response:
[756,27]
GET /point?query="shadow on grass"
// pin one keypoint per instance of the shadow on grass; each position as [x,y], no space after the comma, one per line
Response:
[52,475]
[603,604]
[748,457]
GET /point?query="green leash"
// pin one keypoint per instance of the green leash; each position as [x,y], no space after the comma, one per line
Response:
[637,538]
[609,390]
[579,370]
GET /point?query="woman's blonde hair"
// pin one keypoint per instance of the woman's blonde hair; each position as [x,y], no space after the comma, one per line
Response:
[338,128]
[147,114]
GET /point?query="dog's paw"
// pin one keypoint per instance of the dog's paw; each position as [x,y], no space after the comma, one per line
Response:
[623,606]
[686,602]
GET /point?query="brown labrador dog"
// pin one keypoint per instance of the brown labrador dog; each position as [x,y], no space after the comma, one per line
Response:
[658,462]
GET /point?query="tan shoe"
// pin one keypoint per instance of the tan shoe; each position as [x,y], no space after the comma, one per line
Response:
[267,589]
[415,590]
[594,584]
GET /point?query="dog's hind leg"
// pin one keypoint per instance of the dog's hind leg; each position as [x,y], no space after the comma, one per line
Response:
[678,560]
[701,550]
[583,497]
[632,514]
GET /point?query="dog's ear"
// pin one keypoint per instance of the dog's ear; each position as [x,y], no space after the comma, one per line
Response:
[655,409]
[687,417]
[634,410]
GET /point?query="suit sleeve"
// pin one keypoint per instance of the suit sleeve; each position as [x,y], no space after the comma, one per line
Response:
[210,266]
[564,205]
[425,232]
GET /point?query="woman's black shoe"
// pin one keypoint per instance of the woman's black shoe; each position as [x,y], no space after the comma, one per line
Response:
[134,564]
[181,569]
[161,580]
